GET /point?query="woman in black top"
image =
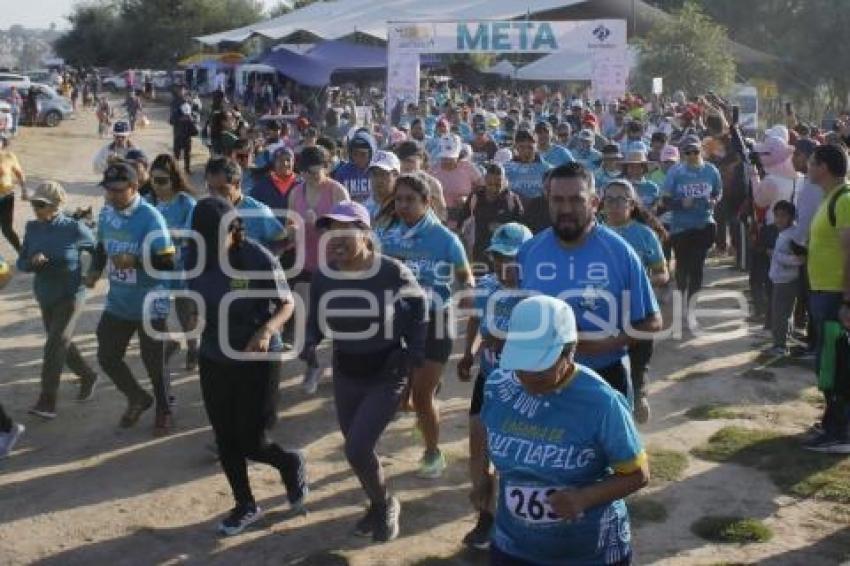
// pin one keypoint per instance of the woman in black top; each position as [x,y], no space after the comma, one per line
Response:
[372,353]
[239,357]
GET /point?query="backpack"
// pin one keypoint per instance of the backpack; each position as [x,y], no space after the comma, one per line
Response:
[833,202]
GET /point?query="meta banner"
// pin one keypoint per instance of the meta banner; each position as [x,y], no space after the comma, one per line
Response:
[603,42]
[523,36]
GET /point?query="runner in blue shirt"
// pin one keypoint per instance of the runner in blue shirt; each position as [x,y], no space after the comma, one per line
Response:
[223,180]
[495,297]
[586,154]
[526,171]
[642,230]
[436,257]
[593,270]
[635,168]
[354,174]
[175,202]
[610,170]
[128,224]
[551,153]
[690,192]
[564,446]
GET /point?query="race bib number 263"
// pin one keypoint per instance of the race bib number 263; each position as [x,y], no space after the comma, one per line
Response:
[529,504]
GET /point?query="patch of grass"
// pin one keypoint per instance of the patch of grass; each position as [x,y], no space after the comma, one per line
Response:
[731,530]
[666,465]
[714,412]
[793,470]
[644,510]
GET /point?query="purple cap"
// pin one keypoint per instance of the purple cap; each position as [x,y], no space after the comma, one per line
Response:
[345,211]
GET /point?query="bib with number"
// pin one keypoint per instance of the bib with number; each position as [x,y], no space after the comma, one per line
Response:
[529,503]
[127,275]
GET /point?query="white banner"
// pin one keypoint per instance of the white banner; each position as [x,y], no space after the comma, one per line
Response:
[602,41]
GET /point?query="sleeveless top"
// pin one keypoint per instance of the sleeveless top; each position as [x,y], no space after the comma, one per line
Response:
[298,203]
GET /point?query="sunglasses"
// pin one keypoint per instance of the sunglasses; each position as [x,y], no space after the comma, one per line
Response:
[243,156]
[39,204]
[160,180]
[691,152]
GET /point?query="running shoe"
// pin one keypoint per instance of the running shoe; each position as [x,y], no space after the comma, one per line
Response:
[365,526]
[828,444]
[239,519]
[642,410]
[432,466]
[479,536]
[311,380]
[134,411]
[87,386]
[9,439]
[44,408]
[386,521]
[192,359]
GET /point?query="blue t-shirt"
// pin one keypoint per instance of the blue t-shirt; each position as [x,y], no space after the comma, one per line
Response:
[430,250]
[603,177]
[591,278]
[526,179]
[261,226]
[124,232]
[557,155]
[648,192]
[573,437]
[493,306]
[590,158]
[698,183]
[643,241]
[61,240]
[355,180]
[245,315]
[178,216]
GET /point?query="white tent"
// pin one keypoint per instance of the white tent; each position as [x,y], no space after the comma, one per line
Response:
[559,66]
[564,66]
[333,20]
[503,68]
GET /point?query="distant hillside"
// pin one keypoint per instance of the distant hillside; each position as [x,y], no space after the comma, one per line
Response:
[22,48]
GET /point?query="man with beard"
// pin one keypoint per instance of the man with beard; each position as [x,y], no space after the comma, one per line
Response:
[595,271]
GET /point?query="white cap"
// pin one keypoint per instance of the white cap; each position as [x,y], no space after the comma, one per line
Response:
[386,160]
[449,147]
[576,103]
[186,108]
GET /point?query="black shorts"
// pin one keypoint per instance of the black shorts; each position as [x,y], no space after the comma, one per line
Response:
[438,345]
[477,395]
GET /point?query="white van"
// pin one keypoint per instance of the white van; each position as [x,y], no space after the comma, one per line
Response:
[8,80]
[747,99]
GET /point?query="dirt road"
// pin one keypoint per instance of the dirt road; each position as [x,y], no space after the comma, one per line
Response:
[78,491]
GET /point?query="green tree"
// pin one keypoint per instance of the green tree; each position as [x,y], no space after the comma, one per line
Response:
[147,33]
[690,51]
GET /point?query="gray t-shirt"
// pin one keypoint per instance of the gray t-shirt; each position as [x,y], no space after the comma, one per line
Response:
[809,197]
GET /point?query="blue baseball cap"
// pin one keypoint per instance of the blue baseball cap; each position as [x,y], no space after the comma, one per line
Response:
[509,238]
[539,328]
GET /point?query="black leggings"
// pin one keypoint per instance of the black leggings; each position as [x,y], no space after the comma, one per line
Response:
[640,352]
[7,219]
[241,402]
[691,247]
[5,421]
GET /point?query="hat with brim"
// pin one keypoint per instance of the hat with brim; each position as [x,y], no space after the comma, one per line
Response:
[119,174]
[539,328]
[635,158]
[508,239]
[348,212]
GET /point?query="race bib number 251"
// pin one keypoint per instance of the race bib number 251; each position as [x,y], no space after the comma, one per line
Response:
[122,275]
[529,504]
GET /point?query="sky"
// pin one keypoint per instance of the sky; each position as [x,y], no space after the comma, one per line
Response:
[40,13]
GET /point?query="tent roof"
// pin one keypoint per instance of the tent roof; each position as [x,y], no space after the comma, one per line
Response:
[564,66]
[333,20]
[503,67]
[315,67]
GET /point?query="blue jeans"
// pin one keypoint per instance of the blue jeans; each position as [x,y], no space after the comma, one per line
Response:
[823,307]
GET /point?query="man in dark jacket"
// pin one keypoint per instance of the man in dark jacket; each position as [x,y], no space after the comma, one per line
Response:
[185,129]
[354,174]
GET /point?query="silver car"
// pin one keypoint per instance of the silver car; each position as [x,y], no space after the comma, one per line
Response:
[52,107]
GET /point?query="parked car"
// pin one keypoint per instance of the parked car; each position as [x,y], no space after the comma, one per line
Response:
[8,80]
[5,118]
[52,107]
[39,76]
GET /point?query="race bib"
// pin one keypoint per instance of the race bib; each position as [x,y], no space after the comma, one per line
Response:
[126,276]
[696,190]
[529,504]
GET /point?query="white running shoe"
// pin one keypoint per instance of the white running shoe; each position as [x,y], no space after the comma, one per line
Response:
[9,439]
[311,380]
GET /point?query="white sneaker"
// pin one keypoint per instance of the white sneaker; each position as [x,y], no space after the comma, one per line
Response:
[9,439]
[311,380]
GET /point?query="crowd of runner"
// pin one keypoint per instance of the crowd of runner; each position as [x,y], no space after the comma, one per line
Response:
[555,228]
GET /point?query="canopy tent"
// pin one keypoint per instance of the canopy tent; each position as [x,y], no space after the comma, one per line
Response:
[503,68]
[229,58]
[564,66]
[315,67]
